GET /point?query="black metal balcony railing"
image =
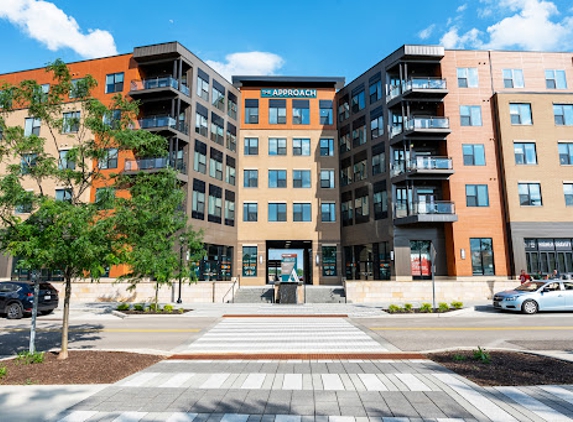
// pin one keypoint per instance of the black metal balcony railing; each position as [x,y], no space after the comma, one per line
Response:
[415,84]
[422,163]
[154,164]
[151,122]
[431,207]
[160,82]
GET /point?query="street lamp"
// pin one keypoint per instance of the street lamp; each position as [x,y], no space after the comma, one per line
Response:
[181,238]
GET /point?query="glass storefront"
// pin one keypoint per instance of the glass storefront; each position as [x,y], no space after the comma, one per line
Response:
[216,265]
[545,255]
[368,262]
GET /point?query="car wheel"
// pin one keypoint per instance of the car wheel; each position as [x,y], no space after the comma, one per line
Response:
[530,307]
[14,311]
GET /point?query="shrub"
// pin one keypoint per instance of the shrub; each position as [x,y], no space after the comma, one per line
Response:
[459,358]
[180,310]
[168,308]
[394,309]
[457,305]
[3,372]
[426,308]
[123,307]
[408,307]
[482,355]
[443,307]
[139,307]
[154,307]
[27,358]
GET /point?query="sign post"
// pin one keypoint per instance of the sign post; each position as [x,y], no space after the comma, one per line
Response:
[433,254]
[35,275]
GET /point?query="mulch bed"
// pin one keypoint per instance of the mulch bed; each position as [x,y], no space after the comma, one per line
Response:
[81,367]
[134,312]
[507,368]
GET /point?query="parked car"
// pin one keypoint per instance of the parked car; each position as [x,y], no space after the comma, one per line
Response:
[537,295]
[17,298]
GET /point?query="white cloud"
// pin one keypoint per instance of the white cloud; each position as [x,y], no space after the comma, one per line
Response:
[427,32]
[248,63]
[452,39]
[462,8]
[46,23]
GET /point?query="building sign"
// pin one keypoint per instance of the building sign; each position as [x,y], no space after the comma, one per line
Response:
[288,93]
[288,268]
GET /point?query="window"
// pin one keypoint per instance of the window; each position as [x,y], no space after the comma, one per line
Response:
[277,178]
[525,153]
[301,212]
[231,137]
[229,208]
[108,159]
[198,200]
[64,163]
[277,212]
[71,122]
[232,105]
[326,147]
[277,112]
[470,115]
[24,208]
[325,112]
[32,126]
[251,146]
[360,172]
[563,114]
[215,210]
[104,198]
[301,179]
[345,172]
[250,178]
[203,85]
[78,89]
[565,153]
[277,146]
[251,111]
[380,201]
[358,132]
[513,78]
[250,211]
[216,164]
[230,171]
[520,114]
[300,112]
[218,95]
[529,194]
[377,123]
[112,119]
[114,83]
[200,157]
[344,141]
[343,109]
[474,154]
[468,77]
[568,192]
[329,261]
[27,162]
[346,210]
[201,123]
[477,196]
[361,208]
[375,89]
[358,102]
[555,79]
[249,261]
[301,146]
[328,212]
[482,256]
[378,160]
[63,195]
[217,130]
[327,179]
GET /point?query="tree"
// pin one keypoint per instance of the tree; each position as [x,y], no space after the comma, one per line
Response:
[135,220]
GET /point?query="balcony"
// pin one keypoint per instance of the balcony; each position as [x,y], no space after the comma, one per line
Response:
[419,89]
[157,87]
[422,167]
[425,212]
[163,122]
[155,164]
[434,127]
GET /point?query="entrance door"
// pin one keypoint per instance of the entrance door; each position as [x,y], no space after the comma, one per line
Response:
[421,259]
[426,200]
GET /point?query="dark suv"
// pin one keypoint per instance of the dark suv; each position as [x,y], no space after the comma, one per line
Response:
[17,298]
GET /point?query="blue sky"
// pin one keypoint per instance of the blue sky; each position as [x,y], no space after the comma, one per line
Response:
[298,37]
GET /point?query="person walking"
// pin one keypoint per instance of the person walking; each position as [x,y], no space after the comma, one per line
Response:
[524,277]
[556,274]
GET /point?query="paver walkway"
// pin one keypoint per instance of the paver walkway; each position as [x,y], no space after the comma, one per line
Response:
[347,390]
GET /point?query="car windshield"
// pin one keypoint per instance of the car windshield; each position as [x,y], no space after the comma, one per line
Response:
[530,286]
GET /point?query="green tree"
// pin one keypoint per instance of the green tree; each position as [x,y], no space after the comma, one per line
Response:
[136,220]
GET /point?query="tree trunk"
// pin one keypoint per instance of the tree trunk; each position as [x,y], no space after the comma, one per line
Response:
[66,320]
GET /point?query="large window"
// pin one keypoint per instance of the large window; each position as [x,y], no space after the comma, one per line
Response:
[375,88]
[477,196]
[301,179]
[300,146]
[64,195]
[555,79]
[277,112]
[344,141]
[231,137]
[301,212]
[568,192]
[198,201]
[565,153]
[64,163]
[327,179]
[529,194]
[251,146]
[230,170]
[358,101]
[203,85]
[543,255]
[513,78]
[277,146]
[109,159]
[112,119]
[359,132]
[563,114]
[326,147]
[377,122]
[27,162]
[325,112]
[380,201]
[200,157]
[343,109]
[201,124]
[277,212]
[361,208]
[229,208]
[525,153]
[474,154]
[218,95]
[215,204]
[71,122]
[232,105]
[104,198]
[32,126]
[482,256]
[216,164]
[300,112]
[249,261]
[277,178]
[360,172]
[250,211]
[329,261]
[114,83]
[250,178]
[378,159]
[470,115]
[520,114]
[328,212]
[217,129]
[468,77]
[251,111]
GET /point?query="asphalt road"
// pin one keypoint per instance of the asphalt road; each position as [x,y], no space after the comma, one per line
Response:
[486,328]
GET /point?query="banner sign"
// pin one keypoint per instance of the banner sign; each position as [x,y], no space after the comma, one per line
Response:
[288,93]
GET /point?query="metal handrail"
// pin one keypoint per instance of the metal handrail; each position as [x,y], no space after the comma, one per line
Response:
[232,290]
[159,82]
[431,207]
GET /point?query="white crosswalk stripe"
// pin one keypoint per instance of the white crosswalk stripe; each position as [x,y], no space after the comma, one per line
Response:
[533,405]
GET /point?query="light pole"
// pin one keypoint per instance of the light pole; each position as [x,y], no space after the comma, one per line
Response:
[180,267]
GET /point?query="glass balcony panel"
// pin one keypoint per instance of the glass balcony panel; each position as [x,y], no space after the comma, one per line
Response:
[164,121]
[155,163]
[425,83]
[431,163]
[159,82]
[427,123]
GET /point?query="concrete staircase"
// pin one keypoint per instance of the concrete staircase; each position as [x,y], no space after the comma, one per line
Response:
[325,294]
[254,295]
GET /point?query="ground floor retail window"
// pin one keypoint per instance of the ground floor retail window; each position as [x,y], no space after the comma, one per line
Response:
[367,262]
[216,265]
[329,261]
[421,259]
[21,274]
[545,255]
[249,261]
[482,256]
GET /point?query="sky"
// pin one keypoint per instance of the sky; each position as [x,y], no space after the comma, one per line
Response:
[296,37]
